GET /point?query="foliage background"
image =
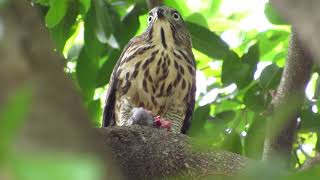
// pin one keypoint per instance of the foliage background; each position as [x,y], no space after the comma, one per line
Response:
[240,48]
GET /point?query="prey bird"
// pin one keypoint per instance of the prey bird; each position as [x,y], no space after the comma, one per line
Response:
[156,72]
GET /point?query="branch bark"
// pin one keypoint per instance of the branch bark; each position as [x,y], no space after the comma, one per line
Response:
[288,101]
[144,153]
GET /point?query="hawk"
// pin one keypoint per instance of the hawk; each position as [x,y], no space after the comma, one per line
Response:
[155,71]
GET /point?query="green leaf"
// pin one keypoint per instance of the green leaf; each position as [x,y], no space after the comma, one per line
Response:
[233,143]
[240,71]
[242,75]
[92,45]
[117,26]
[95,112]
[180,6]
[310,121]
[122,7]
[86,72]
[58,9]
[270,77]
[105,71]
[66,28]
[197,18]
[224,117]
[234,71]
[273,16]
[271,39]
[317,90]
[226,105]
[254,99]
[104,23]
[84,6]
[12,116]
[199,119]
[214,7]
[74,52]
[207,42]
[230,68]
[280,58]
[254,141]
[252,57]
[238,16]
[130,20]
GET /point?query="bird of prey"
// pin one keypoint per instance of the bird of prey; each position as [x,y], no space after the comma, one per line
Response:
[156,71]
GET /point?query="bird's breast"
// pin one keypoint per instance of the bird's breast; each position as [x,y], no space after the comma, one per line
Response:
[156,77]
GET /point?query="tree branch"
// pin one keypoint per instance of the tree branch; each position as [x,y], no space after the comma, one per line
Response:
[287,102]
[144,152]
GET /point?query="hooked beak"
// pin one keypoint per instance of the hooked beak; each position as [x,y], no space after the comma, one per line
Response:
[160,13]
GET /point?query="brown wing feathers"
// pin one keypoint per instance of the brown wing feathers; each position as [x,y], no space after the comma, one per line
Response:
[108,113]
[191,102]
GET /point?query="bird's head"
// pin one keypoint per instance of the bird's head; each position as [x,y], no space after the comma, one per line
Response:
[167,24]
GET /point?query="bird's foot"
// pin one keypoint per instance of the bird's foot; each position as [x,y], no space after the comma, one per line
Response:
[162,123]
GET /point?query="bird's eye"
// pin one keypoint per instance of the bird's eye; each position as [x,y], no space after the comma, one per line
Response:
[176,16]
[150,19]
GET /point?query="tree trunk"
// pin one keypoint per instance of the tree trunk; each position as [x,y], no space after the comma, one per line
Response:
[287,102]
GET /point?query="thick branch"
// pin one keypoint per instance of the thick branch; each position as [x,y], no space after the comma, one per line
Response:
[287,101]
[144,152]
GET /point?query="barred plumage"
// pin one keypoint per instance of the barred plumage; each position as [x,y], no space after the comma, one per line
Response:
[155,71]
